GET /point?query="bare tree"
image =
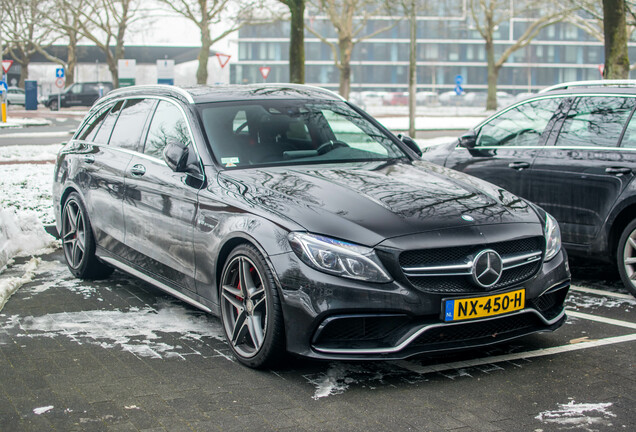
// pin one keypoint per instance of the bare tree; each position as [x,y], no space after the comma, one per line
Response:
[349,18]
[23,31]
[296,40]
[487,15]
[105,22]
[66,18]
[206,13]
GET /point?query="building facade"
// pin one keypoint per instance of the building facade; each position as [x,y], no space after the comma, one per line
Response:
[448,45]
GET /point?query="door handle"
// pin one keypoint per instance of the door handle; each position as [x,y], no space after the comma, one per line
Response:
[618,170]
[89,159]
[138,170]
[519,165]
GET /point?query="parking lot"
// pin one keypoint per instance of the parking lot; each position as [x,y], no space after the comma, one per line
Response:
[120,355]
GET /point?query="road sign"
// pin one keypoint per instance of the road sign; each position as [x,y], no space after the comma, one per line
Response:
[458,90]
[59,82]
[6,65]
[459,80]
[223,59]
[265,71]
[3,86]
[59,72]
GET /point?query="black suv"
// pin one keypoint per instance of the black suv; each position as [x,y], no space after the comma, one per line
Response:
[79,94]
[304,224]
[572,150]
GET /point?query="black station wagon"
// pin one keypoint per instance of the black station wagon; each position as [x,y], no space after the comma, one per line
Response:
[304,224]
[572,150]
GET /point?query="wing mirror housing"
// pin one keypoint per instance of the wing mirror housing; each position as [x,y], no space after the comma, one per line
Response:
[410,143]
[175,153]
[468,140]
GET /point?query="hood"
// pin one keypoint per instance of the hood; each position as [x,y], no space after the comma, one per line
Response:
[370,202]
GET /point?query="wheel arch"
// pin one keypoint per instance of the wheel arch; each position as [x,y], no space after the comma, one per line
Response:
[618,224]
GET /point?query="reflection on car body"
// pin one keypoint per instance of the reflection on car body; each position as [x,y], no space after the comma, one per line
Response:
[304,224]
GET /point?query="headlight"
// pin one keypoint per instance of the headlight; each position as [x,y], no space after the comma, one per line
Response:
[552,237]
[338,257]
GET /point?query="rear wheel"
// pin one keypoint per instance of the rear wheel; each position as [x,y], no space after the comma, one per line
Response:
[250,309]
[54,106]
[78,241]
[626,257]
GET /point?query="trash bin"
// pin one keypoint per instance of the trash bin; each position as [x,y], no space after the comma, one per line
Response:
[31,95]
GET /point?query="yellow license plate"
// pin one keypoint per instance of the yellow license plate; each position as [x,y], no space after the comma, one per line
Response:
[479,307]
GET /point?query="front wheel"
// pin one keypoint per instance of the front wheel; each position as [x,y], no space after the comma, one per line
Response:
[78,241]
[626,257]
[250,309]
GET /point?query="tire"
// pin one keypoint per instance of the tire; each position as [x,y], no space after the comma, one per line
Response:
[626,257]
[78,241]
[250,309]
[54,106]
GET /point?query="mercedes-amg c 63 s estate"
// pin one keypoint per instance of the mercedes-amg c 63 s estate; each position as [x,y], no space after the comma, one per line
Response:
[304,224]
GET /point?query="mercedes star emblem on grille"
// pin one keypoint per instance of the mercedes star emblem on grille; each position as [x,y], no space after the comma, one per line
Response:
[487,268]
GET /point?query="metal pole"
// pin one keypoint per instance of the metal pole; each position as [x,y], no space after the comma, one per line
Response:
[3,105]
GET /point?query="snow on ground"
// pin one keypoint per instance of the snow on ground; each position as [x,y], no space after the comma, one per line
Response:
[25,207]
[17,122]
[581,416]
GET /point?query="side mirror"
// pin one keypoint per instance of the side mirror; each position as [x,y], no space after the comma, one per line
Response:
[176,156]
[468,140]
[410,143]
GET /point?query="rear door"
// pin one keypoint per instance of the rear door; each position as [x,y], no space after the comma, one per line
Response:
[507,145]
[160,204]
[580,174]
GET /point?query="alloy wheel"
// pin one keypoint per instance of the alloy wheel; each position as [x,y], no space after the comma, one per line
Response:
[244,304]
[73,234]
[629,258]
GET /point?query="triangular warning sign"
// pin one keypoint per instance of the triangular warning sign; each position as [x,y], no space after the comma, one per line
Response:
[223,59]
[265,71]
[6,65]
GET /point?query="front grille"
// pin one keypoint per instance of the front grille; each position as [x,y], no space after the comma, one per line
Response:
[462,283]
[472,331]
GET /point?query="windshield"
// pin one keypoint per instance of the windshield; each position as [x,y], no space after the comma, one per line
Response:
[279,132]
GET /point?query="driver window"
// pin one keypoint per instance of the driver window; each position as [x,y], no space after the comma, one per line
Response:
[522,125]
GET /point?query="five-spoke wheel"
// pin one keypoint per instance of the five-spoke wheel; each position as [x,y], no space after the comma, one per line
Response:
[626,257]
[250,308]
[78,242]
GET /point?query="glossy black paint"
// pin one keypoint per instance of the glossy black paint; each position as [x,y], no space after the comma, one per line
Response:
[175,229]
[588,189]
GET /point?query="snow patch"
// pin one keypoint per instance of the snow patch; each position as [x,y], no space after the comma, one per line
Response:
[578,416]
[29,152]
[15,122]
[8,286]
[42,410]
[22,234]
[27,187]
[577,301]
[137,331]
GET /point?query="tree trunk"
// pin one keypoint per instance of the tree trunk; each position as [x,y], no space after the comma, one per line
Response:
[204,53]
[297,42]
[493,75]
[413,70]
[71,60]
[112,67]
[615,29]
[24,70]
[346,47]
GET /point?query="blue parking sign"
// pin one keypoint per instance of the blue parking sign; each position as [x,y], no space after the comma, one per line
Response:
[459,80]
[458,90]
[59,72]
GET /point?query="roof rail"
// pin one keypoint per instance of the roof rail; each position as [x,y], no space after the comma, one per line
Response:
[175,89]
[593,83]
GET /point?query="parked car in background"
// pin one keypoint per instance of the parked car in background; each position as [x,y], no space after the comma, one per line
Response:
[572,151]
[15,96]
[304,223]
[79,94]
[396,99]
[427,98]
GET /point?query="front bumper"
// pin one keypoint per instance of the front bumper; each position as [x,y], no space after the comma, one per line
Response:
[328,317]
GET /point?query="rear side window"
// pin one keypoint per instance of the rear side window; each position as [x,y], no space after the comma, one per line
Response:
[103,134]
[167,124]
[595,121]
[89,130]
[522,125]
[130,124]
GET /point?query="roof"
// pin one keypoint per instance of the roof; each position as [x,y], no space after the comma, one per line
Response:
[226,93]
